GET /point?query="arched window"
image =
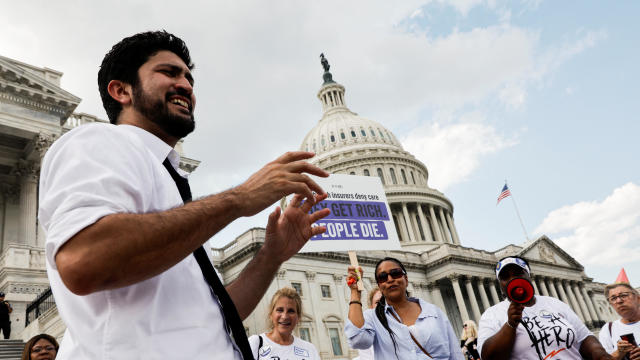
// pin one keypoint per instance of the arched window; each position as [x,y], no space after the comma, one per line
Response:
[314,145]
[413,178]
[366,172]
[381,134]
[322,140]
[334,335]
[380,175]
[352,173]
[306,328]
[373,133]
[342,136]
[333,324]
[364,133]
[353,133]
[305,334]
[333,138]
[404,176]
[393,176]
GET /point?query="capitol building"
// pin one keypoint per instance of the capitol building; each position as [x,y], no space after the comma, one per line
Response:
[35,111]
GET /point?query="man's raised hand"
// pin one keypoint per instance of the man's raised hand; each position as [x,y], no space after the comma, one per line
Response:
[277,179]
[288,231]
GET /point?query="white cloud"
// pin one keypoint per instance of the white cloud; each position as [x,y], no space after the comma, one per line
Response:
[513,95]
[464,6]
[452,152]
[418,13]
[599,233]
[257,70]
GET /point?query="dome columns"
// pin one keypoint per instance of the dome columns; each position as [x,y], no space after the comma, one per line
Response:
[423,222]
[409,223]
[346,143]
[434,224]
[331,96]
[452,229]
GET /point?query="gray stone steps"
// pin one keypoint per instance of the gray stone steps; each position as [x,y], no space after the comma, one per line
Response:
[11,349]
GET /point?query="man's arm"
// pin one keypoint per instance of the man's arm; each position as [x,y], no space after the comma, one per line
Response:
[123,249]
[286,233]
[592,349]
[500,345]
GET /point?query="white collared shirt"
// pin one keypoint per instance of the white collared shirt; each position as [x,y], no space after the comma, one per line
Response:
[101,169]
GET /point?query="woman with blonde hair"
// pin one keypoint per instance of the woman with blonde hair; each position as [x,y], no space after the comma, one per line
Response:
[469,340]
[284,313]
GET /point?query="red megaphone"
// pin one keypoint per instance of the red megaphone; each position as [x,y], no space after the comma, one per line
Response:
[520,290]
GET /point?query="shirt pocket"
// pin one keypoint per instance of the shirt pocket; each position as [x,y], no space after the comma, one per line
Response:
[434,337]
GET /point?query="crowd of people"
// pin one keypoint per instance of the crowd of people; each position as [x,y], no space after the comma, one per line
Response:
[526,327]
[130,276]
[396,326]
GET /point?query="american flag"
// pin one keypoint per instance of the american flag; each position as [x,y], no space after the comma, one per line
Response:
[504,193]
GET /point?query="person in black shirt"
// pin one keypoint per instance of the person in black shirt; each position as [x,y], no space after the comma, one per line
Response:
[5,310]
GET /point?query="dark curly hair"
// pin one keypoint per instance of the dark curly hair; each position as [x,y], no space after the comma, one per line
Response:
[381,304]
[125,58]
[26,353]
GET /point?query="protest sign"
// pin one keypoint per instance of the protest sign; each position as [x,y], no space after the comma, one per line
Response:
[360,217]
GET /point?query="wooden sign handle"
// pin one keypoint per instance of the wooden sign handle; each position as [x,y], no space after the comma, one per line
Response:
[354,262]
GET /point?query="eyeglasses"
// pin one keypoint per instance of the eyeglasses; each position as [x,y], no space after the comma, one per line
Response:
[622,296]
[396,273]
[40,349]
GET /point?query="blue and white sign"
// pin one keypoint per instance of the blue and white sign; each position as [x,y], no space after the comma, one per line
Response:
[265,350]
[300,351]
[360,217]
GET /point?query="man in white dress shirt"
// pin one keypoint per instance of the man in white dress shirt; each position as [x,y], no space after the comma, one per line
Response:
[119,236]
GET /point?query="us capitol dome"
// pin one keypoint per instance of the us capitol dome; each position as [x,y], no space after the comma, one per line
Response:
[35,110]
[347,143]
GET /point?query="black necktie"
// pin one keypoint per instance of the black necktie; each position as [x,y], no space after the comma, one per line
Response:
[231,316]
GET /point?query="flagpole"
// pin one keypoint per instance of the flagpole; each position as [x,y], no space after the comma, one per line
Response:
[517,212]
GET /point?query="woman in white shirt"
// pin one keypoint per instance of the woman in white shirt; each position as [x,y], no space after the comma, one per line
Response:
[625,300]
[543,328]
[285,311]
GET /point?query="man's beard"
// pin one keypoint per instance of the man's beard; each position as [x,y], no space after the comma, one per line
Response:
[158,112]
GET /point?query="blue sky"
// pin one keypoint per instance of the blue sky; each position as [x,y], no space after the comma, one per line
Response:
[573,136]
[541,93]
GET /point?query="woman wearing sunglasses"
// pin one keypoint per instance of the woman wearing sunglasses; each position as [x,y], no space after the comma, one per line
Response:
[400,327]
